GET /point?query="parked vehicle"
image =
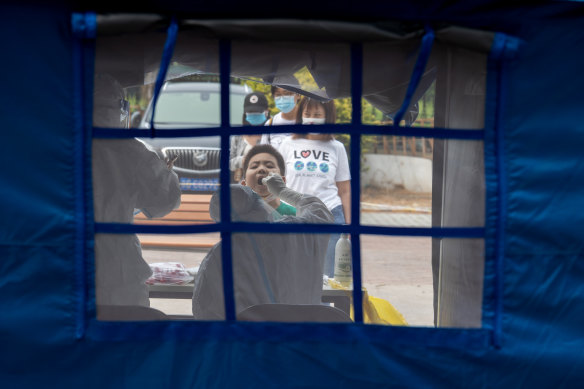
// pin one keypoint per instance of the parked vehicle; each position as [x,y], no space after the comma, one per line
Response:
[193,105]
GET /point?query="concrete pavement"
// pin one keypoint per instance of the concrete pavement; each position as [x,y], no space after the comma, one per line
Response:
[396,219]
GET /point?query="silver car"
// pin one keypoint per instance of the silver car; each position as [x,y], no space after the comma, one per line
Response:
[192,105]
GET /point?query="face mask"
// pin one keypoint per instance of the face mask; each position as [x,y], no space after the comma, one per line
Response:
[313,120]
[255,119]
[285,103]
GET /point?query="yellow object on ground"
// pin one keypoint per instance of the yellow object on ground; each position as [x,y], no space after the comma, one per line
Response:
[375,310]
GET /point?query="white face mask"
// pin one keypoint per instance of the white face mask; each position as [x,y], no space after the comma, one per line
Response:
[313,120]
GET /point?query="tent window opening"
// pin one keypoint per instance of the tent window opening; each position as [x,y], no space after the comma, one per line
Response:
[223,162]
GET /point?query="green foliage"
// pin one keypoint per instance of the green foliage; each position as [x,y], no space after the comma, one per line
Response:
[306,80]
[344,109]
[136,98]
[369,143]
[370,114]
[426,103]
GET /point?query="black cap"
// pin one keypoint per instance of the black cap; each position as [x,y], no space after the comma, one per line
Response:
[255,102]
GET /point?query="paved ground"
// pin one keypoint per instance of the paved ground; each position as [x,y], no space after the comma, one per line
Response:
[394,268]
[395,219]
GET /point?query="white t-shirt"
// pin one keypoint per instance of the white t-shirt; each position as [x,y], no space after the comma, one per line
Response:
[314,167]
[276,139]
[278,120]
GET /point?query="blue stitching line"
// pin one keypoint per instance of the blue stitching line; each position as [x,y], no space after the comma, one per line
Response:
[226,257]
[502,181]
[435,232]
[164,63]
[356,92]
[351,129]
[77,22]
[83,27]
[492,186]
[89,73]
[419,68]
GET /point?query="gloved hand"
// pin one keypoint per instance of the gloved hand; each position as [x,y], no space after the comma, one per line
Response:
[277,187]
[275,183]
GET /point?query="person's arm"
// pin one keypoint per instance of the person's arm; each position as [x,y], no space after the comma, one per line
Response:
[158,189]
[235,153]
[343,180]
[309,209]
[345,195]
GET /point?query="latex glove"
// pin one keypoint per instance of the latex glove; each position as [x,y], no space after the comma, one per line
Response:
[277,187]
[275,183]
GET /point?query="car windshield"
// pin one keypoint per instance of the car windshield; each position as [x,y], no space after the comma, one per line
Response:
[197,108]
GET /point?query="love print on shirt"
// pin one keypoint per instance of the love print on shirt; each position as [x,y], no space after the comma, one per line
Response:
[315,153]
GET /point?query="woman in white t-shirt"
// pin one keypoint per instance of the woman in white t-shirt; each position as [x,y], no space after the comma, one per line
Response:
[317,164]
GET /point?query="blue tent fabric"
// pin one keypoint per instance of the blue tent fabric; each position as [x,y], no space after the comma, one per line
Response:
[534,161]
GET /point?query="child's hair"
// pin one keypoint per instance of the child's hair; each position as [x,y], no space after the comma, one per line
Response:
[258,149]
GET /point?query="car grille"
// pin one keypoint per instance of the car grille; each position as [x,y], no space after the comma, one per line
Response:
[194,158]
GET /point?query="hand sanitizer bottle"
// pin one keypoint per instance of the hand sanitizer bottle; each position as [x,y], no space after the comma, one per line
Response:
[343,262]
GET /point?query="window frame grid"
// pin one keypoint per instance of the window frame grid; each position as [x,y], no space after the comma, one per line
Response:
[476,337]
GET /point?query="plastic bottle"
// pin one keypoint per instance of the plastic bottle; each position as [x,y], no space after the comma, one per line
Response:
[343,262]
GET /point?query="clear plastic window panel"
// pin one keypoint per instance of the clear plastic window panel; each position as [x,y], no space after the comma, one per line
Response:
[422,182]
[406,181]
[148,276]
[320,71]
[314,167]
[422,282]
[166,181]
[451,92]
[276,277]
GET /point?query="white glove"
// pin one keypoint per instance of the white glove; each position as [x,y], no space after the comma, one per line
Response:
[275,183]
[277,187]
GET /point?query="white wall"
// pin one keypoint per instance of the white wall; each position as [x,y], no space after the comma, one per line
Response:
[390,171]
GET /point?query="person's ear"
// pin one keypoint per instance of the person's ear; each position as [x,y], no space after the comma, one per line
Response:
[283,178]
[242,182]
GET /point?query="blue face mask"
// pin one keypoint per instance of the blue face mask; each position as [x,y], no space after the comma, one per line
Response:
[285,103]
[255,119]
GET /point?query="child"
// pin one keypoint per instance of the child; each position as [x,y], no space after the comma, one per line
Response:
[258,163]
